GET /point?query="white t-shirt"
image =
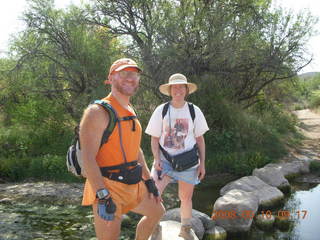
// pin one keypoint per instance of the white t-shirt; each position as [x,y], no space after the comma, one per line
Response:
[179,135]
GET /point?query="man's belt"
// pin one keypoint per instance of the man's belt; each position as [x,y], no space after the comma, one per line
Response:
[106,171]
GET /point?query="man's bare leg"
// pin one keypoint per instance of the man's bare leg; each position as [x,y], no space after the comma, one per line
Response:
[152,213]
[106,230]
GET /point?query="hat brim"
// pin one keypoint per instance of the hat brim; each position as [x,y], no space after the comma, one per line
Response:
[165,88]
[127,66]
[107,81]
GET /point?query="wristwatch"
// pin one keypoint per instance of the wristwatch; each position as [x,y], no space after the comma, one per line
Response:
[102,193]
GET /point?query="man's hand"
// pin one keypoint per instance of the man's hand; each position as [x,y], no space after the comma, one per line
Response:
[106,209]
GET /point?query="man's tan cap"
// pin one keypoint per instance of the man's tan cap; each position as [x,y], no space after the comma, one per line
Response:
[121,64]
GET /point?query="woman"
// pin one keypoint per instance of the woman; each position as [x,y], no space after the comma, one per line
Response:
[177,129]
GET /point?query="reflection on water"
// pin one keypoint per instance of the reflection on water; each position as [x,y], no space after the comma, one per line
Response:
[304,211]
[302,205]
[305,207]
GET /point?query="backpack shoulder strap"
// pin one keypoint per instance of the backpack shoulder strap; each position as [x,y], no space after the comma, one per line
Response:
[191,110]
[113,119]
[165,109]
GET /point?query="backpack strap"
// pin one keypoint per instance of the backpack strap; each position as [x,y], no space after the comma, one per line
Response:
[112,123]
[114,119]
[128,118]
[165,109]
[191,110]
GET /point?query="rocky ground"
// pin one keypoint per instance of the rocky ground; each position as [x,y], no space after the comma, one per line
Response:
[44,192]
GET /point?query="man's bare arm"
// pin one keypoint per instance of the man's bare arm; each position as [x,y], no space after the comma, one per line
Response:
[93,123]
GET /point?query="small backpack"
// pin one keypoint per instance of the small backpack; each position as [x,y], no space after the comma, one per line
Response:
[191,110]
[74,158]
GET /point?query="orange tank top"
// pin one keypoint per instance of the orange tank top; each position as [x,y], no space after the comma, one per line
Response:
[110,154]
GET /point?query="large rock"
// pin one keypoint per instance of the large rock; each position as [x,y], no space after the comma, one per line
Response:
[198,221]
[272,176]
[235,210]
[207,222]
[170,231]
[292,168]
[268,195]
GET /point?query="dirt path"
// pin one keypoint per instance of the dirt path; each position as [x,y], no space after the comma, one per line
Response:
[310,128]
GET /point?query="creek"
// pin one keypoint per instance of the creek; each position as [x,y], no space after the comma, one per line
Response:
[28,218]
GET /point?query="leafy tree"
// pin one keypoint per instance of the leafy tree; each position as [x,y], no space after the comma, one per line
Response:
[243,45]
[57,66]
[60,57]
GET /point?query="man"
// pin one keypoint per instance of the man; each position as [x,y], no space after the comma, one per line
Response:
[109,193]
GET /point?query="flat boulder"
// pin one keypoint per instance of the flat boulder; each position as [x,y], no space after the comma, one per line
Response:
[268,195]
[273,176]
[170,231]
[198,220]
[293,168]
[235,210]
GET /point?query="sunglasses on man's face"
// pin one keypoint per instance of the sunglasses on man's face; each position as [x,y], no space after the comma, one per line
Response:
[129,74]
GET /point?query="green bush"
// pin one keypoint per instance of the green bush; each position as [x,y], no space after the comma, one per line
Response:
[315,99]
[14,169]
[315,167]
[239,139]
[236,163]
[34,128]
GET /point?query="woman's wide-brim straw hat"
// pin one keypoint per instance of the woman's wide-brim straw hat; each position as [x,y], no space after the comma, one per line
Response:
[177,78]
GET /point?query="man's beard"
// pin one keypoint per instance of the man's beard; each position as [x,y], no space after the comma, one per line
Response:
[127,91]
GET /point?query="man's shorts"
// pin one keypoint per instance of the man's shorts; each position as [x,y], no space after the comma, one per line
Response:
[126,197]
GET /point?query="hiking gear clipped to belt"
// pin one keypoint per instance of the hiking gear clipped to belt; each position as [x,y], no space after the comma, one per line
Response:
[182,161]
[151,186]
[129,173]
[106,209]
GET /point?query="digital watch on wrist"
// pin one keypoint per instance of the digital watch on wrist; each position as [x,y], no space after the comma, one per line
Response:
[102,193]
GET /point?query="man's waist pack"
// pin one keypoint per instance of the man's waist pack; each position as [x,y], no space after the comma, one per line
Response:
[129,173]
[74,157]
[182,161]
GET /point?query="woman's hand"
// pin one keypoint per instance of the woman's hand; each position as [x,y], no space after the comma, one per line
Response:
[201,171]
[157,164]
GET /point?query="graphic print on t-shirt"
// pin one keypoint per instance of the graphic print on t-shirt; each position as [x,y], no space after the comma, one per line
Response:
[174,137]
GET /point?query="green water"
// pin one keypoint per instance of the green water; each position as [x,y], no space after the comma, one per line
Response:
[44,221]
[37,221]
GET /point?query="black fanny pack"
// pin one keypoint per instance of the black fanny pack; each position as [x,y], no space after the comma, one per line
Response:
[182,161]
[126,174]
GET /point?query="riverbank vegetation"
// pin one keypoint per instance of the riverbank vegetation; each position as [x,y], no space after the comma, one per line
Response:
[243,55]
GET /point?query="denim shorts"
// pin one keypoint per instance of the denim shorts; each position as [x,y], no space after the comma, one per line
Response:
[188,176]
